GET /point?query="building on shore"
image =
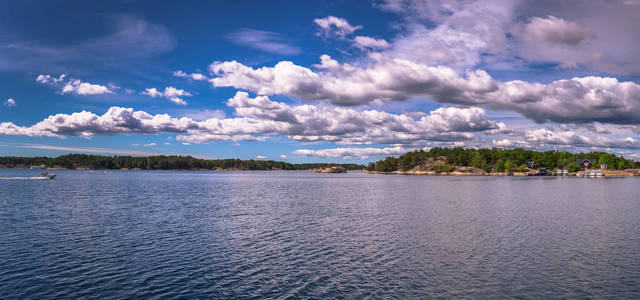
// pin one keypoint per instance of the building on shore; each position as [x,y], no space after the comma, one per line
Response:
[586,163]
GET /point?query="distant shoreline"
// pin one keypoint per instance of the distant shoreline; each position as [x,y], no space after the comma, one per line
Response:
[605,173]
[162,162]
[136,169]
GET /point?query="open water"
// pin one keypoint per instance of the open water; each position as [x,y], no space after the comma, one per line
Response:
[292,234]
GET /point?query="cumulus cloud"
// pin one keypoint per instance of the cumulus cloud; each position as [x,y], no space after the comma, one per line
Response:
[610,45]
[173,94]
[576,100]
[557,31]
[504,34]
[371,43]
[553,39]
[283,156]
[194,76]
[261,157]
[511,143]
[335,27]
[267,41]
[10,102]
[345,84]
[259,117]
[351,153]
[544,138]
[74,86]
[84,88]
[570,138]
[464,31]
[48,79]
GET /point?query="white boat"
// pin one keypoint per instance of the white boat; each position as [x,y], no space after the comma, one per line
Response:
[45,175]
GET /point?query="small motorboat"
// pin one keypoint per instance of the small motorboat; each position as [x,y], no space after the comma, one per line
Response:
[45,175]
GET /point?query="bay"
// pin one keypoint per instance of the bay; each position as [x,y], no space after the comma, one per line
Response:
[297,234]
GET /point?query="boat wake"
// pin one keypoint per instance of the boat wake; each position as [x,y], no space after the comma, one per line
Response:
[44,176]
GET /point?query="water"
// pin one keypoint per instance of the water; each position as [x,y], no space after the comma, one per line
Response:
[193,234]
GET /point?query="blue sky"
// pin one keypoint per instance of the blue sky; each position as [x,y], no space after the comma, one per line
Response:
[301,81]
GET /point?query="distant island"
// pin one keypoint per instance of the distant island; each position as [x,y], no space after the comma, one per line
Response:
[161,162]
[501,162]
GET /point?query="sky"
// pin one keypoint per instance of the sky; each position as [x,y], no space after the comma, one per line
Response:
[318,81]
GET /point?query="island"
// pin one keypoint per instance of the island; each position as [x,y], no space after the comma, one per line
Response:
[505,162]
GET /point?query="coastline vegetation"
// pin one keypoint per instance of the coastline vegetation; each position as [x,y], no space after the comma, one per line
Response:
[499,160]
[170,162]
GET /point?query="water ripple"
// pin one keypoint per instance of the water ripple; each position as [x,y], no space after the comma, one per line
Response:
[292,235]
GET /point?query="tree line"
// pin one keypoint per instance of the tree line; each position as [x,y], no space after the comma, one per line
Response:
[500,160]
[161,162]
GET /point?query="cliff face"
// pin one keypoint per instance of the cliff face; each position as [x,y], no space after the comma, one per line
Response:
[429,164]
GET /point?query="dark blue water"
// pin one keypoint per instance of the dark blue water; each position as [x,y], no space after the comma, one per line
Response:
[156,234]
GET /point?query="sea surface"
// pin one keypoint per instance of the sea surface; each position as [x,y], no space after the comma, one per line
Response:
[295,234]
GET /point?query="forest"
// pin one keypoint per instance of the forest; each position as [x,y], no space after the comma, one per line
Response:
[170,162]
[501,160]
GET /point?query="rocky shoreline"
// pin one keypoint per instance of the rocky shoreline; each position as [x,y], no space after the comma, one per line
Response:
[333,169]
[458,172]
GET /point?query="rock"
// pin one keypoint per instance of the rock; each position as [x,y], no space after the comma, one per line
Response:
[334,169]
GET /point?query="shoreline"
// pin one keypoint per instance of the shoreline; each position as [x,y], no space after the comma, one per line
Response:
[606,173]
[138,169]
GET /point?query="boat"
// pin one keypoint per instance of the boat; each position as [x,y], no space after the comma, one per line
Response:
[45,175]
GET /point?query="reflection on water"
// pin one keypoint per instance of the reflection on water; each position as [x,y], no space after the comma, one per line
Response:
[140,234]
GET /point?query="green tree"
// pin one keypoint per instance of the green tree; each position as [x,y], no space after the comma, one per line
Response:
[573,167]
[499,165]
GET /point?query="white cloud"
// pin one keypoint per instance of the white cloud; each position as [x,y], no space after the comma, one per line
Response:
[171,93]
[150,145]
[505,34]
[259,117]
[349,153]
[557,31]
[371,43]
[10,102]
[464,31]
[545,138]
[75,86]
[261,157]
[83,88]
[569,138]
[48,79]
[553,39]
[576,100]
[283,156]
[335,26]
[344,84]
[194,76]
